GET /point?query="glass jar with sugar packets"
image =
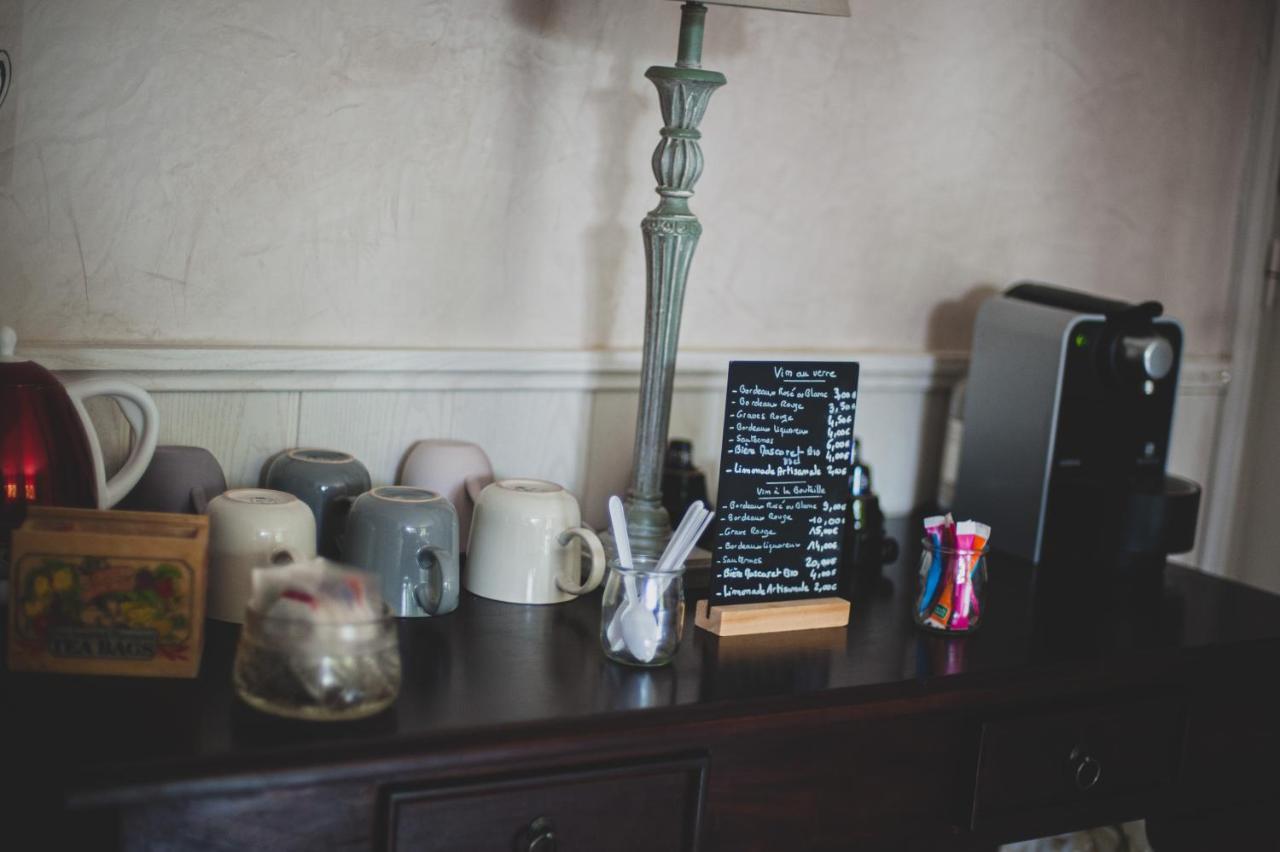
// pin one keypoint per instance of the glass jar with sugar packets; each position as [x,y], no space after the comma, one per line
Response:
[952,582]
[642,612]
[318,643]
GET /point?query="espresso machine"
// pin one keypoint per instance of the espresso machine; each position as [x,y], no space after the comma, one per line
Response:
[1067,421]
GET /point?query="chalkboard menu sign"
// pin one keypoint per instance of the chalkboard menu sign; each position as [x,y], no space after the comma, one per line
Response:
[788,432]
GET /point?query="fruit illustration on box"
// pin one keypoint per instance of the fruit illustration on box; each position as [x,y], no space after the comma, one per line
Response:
[104,607]
[97,592]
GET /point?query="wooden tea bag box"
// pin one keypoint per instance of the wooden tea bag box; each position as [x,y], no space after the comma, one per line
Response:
[109,593]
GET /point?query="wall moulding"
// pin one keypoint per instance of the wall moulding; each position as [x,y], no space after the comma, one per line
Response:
[560,415]
[212,369]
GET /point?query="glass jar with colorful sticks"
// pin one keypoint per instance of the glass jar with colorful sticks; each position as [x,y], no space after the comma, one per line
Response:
[951,591]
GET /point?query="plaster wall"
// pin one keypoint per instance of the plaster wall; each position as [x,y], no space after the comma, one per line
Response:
[471,173]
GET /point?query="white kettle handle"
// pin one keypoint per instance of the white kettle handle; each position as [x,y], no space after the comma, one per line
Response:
[140,410]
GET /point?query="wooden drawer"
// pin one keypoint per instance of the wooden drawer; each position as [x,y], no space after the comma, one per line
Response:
[1233,749]
[1078,768]
[641,806]
[813,783]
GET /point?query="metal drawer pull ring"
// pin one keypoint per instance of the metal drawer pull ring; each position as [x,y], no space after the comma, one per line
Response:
[1088,772]
[538,836]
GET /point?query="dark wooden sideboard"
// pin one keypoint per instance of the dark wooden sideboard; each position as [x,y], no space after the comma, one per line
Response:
[514,732]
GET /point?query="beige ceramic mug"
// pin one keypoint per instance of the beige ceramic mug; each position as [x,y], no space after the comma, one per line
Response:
[526,544]
[250,528]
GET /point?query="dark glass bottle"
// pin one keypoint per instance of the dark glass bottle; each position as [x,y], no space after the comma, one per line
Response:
[682,483]
[864,547]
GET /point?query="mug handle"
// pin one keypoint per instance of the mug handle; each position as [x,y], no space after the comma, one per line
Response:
[342,510]
[199,500]
[433,587]
[285,556]
[592,542]
[140,411]
[476,483]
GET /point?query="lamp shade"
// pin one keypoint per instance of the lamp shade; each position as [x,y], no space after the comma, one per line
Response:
[812,7]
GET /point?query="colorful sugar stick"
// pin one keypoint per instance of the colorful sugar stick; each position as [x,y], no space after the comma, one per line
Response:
[953,583]
[947,578]
[939,607]
[933,529]
[964,559]
[940,615]
[979,542]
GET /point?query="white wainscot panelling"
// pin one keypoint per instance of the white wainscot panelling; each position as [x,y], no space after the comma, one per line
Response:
[376,427]
[539,434]
[543,434]
[696,415]
[610,437]
[241,429]
[564,416]
[901,431]
[113,431]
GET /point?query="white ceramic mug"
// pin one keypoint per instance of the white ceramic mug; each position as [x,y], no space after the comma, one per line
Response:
[250,528]
[526,544]
[458,470]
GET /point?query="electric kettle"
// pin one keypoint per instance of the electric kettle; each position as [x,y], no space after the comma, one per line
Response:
[49,451]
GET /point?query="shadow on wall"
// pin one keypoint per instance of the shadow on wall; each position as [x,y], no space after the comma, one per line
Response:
[616,227]
[534,15]
[619,111]
[616,109]
[949,330]
[950,324]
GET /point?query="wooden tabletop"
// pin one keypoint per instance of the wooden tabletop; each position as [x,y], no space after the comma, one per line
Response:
[490,668]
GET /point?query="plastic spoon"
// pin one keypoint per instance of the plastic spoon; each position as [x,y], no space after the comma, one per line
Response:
[691,538]
[690,521]
[682,542]
[685,547]
[639,625]
[631,625]
[618,522]
[702,527]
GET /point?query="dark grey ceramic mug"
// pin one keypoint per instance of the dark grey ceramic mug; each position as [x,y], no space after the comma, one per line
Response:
[408,537]
[178,479]
[327,481]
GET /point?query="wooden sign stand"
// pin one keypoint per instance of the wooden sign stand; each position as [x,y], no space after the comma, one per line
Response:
[774,617]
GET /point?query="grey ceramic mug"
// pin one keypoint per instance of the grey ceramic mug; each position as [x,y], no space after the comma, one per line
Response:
[327,481]
[408,537]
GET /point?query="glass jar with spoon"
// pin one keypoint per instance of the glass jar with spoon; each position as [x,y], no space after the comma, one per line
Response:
[642,611]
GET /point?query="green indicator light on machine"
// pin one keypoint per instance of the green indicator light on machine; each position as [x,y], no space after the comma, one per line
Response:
[1081,341]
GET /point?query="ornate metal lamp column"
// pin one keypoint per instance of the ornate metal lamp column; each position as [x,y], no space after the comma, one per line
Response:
[671,233]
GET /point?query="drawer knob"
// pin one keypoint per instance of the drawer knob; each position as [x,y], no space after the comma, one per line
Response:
[538,836]
[1086,770]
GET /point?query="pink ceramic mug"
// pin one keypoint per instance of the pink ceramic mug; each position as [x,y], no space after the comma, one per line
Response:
[459,470]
